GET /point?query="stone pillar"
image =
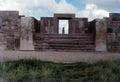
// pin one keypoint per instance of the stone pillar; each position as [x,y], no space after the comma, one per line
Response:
[26,39]
[9,27]
[110,41]
[2,45]
[101,35]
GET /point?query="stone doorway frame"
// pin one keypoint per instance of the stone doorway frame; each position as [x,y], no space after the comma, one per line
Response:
[68,22]
[69,17]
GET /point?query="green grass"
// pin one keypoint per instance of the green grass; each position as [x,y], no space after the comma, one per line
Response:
[39,71]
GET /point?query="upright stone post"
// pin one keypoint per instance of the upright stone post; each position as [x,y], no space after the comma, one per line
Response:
[101,35]
[27,28]
[2,45]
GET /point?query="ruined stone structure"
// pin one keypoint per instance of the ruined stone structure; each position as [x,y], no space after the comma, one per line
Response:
[77,39]
[27,33]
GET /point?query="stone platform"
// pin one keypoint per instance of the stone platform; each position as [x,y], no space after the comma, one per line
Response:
[61,56]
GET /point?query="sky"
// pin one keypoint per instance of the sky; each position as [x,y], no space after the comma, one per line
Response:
[46,8]
[63,24]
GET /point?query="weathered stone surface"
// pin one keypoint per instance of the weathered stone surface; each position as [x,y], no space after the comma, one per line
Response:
[114,34]
[46,25]
[9,26]
[2,45]
[101,34]
[81,25]
[110,41]
[114,22]
[27,29]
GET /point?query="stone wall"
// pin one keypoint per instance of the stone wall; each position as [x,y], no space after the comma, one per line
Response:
[9,30]
[46,25]
[81,25]
[114,32]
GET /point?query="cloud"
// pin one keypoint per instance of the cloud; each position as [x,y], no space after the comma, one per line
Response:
[39,8]
[92,11]
[109,5]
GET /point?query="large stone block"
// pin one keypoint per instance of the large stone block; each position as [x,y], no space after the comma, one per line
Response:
[27,29]
[81,25]
[111,42]
[114,34]
[46,25]
[9,26]
[114,22]
[101,34]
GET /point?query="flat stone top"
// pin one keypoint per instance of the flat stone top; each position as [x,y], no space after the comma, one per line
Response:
[64,15]
[6,12]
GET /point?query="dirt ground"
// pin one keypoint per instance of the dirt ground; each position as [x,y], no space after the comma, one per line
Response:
[59,56]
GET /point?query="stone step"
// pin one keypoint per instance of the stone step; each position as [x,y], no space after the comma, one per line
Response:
[66,37]
[64,41]
[63,38]
[63,48]
[64,45]
[73,34]
[37,36]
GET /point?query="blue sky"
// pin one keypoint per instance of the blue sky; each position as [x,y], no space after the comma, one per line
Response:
[82,8]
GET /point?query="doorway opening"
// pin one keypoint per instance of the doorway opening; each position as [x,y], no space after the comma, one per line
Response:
[63,26]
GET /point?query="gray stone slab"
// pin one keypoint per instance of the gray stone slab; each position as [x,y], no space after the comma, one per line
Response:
[26,39]
[101,34]
[8,26]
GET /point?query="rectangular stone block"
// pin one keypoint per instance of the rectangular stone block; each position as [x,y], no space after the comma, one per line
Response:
[81,25]
[46,25]
[27,30]
[101,34]
[9,25]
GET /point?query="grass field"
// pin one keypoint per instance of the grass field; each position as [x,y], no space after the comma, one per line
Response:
[39,71]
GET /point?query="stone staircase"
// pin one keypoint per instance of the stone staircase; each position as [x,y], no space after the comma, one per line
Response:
[81,42]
